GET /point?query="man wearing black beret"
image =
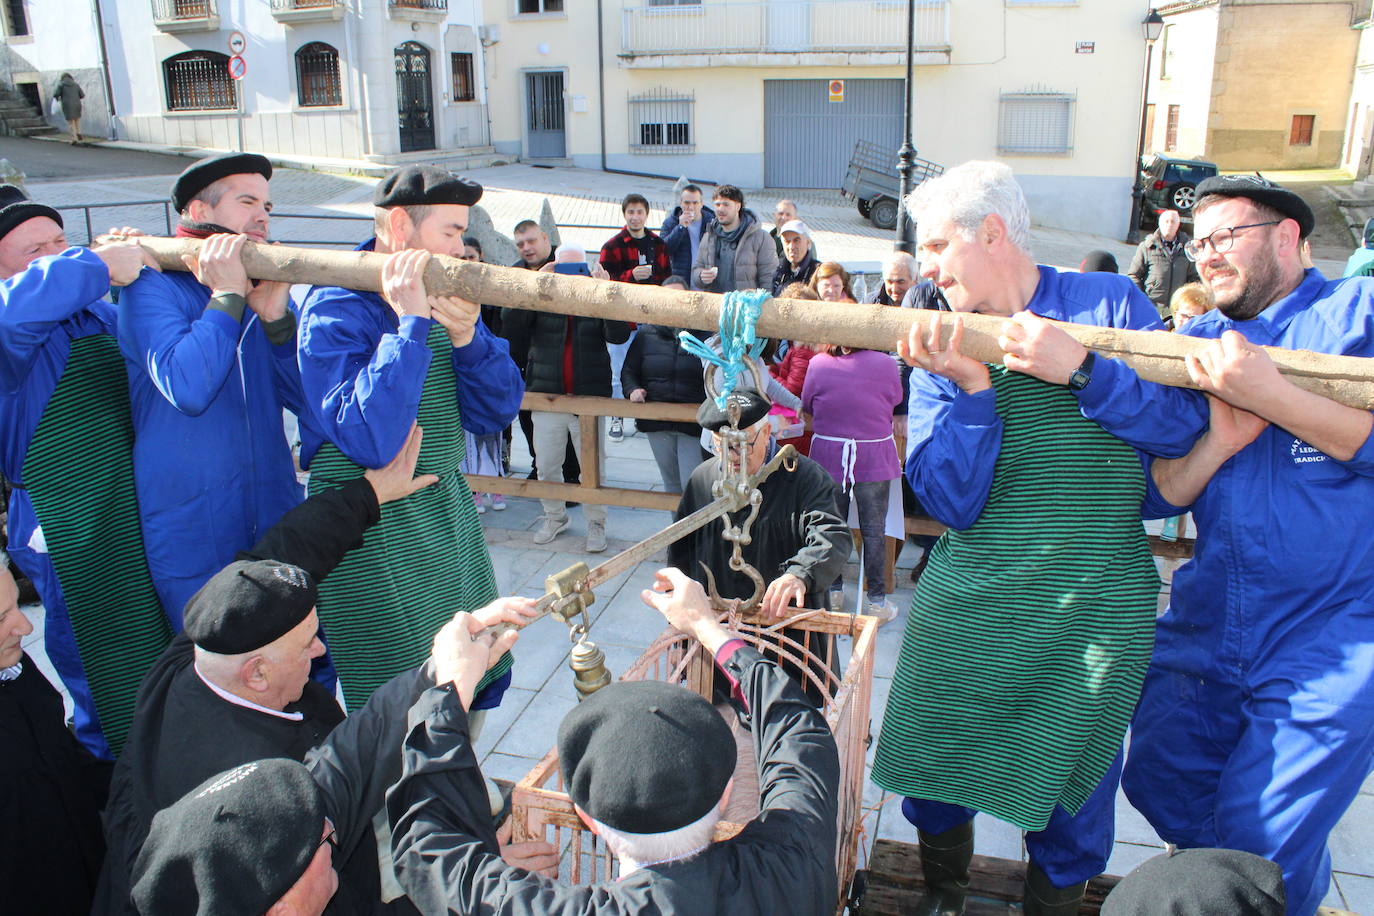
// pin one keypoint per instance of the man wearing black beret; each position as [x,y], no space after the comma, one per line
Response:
[211,360]
[1255,729]
[648,766]
[235,685]
[371,366]
[263,837]
[72,509]
[800,542]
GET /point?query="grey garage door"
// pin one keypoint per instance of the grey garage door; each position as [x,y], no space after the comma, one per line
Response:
[808,139]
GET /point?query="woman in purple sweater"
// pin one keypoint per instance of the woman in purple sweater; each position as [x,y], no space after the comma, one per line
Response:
[848,396]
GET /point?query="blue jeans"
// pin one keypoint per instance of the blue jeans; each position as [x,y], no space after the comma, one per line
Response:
[871,496]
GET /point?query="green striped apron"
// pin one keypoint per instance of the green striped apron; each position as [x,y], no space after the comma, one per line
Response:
[422,563]
[1031,630]
[79,473]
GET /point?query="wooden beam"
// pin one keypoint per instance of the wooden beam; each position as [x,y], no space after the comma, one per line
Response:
[548,489]
[1156,356]
[606,407]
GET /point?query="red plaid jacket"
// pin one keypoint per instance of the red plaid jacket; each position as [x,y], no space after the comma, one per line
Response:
[620,256]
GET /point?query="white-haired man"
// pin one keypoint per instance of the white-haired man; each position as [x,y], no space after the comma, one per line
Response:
[648,766]
[1059,645]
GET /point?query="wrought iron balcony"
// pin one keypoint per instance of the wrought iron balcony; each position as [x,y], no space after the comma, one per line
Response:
[674,28]
[186,15]
[289,11]
[418,10]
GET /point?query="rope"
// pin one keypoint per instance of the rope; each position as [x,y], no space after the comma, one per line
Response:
[739,310]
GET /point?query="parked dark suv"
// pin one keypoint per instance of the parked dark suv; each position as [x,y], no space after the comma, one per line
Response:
[1171,184]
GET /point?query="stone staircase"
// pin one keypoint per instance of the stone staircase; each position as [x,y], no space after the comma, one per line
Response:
[18,118]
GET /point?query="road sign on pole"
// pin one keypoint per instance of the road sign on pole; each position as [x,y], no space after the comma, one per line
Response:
[237,67]
[237,43]
[836,90]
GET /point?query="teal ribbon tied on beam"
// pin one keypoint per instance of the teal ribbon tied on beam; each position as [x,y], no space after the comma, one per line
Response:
[739,345]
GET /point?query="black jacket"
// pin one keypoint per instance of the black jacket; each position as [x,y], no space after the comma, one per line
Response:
[781,862]
[785,275]
[53,790]
[183,733]
[546,334]
[668,374]
[1157,274]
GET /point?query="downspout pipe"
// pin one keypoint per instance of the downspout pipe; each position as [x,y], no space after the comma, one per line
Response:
[601,104]
[105,65]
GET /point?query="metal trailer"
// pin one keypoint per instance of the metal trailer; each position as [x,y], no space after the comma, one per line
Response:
[872,181]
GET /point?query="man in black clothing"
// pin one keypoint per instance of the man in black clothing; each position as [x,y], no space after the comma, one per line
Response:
[53,788]
[234,686]
[535,250]
[645,765]
[798,261]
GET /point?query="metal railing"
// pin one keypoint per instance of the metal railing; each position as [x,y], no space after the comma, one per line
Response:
[287,6]
[722,26]
[156,217]
[437,5]
[171,10]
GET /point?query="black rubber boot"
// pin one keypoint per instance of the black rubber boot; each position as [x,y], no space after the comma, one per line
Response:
[1041,898]
[945,859]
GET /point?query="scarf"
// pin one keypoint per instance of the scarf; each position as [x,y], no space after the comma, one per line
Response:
[189,229]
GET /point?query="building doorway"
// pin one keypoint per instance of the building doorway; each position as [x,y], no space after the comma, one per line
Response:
[414,97]
[545,125]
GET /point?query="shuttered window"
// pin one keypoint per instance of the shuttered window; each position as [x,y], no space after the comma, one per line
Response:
[1035,121]
[317,75]
[199,81]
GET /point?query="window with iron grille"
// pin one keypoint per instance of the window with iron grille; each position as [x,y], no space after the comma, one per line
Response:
[661,122]
[1037,121]
[675,2]
[464,87]
[539,6]
[317,75]
[1301,132]
[16,18]
[199,81]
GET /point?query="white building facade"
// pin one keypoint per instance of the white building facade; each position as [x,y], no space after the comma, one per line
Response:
[42,40]
[776,93]
[380,81]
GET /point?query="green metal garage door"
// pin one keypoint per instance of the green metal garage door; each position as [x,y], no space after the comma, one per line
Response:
[807,138]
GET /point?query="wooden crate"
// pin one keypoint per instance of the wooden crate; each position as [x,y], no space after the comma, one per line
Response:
[540,809]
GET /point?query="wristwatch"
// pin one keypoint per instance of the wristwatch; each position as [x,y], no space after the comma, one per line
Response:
[1083,374]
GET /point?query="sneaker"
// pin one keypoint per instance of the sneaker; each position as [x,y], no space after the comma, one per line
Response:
[477,501]
[498,502]
[885,611]
[596,537]
[617,433]
[550,527]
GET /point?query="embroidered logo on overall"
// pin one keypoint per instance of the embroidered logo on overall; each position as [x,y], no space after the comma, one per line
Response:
[1302,453]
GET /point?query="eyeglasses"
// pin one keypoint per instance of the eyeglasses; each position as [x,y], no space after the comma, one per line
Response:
[1220,240]
[332,838]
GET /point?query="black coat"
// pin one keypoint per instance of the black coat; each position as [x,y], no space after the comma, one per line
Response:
[668,374]
[786,275]
[781,862]
[51,793]
[546,334]
[183,733]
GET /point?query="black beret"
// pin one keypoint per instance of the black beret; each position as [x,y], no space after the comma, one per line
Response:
[1099,262]
[753,407]
[418,185]
[1261,190]
[645,756]
[1200,882]
[16,208]
[233,845]
[200,175]
[247,605]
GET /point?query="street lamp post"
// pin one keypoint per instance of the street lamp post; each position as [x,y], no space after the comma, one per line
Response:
[1152,27]
[906,157]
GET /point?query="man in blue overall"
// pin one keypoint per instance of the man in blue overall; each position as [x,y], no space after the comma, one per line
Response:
[65,446]
[1256,726]
[212,361]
